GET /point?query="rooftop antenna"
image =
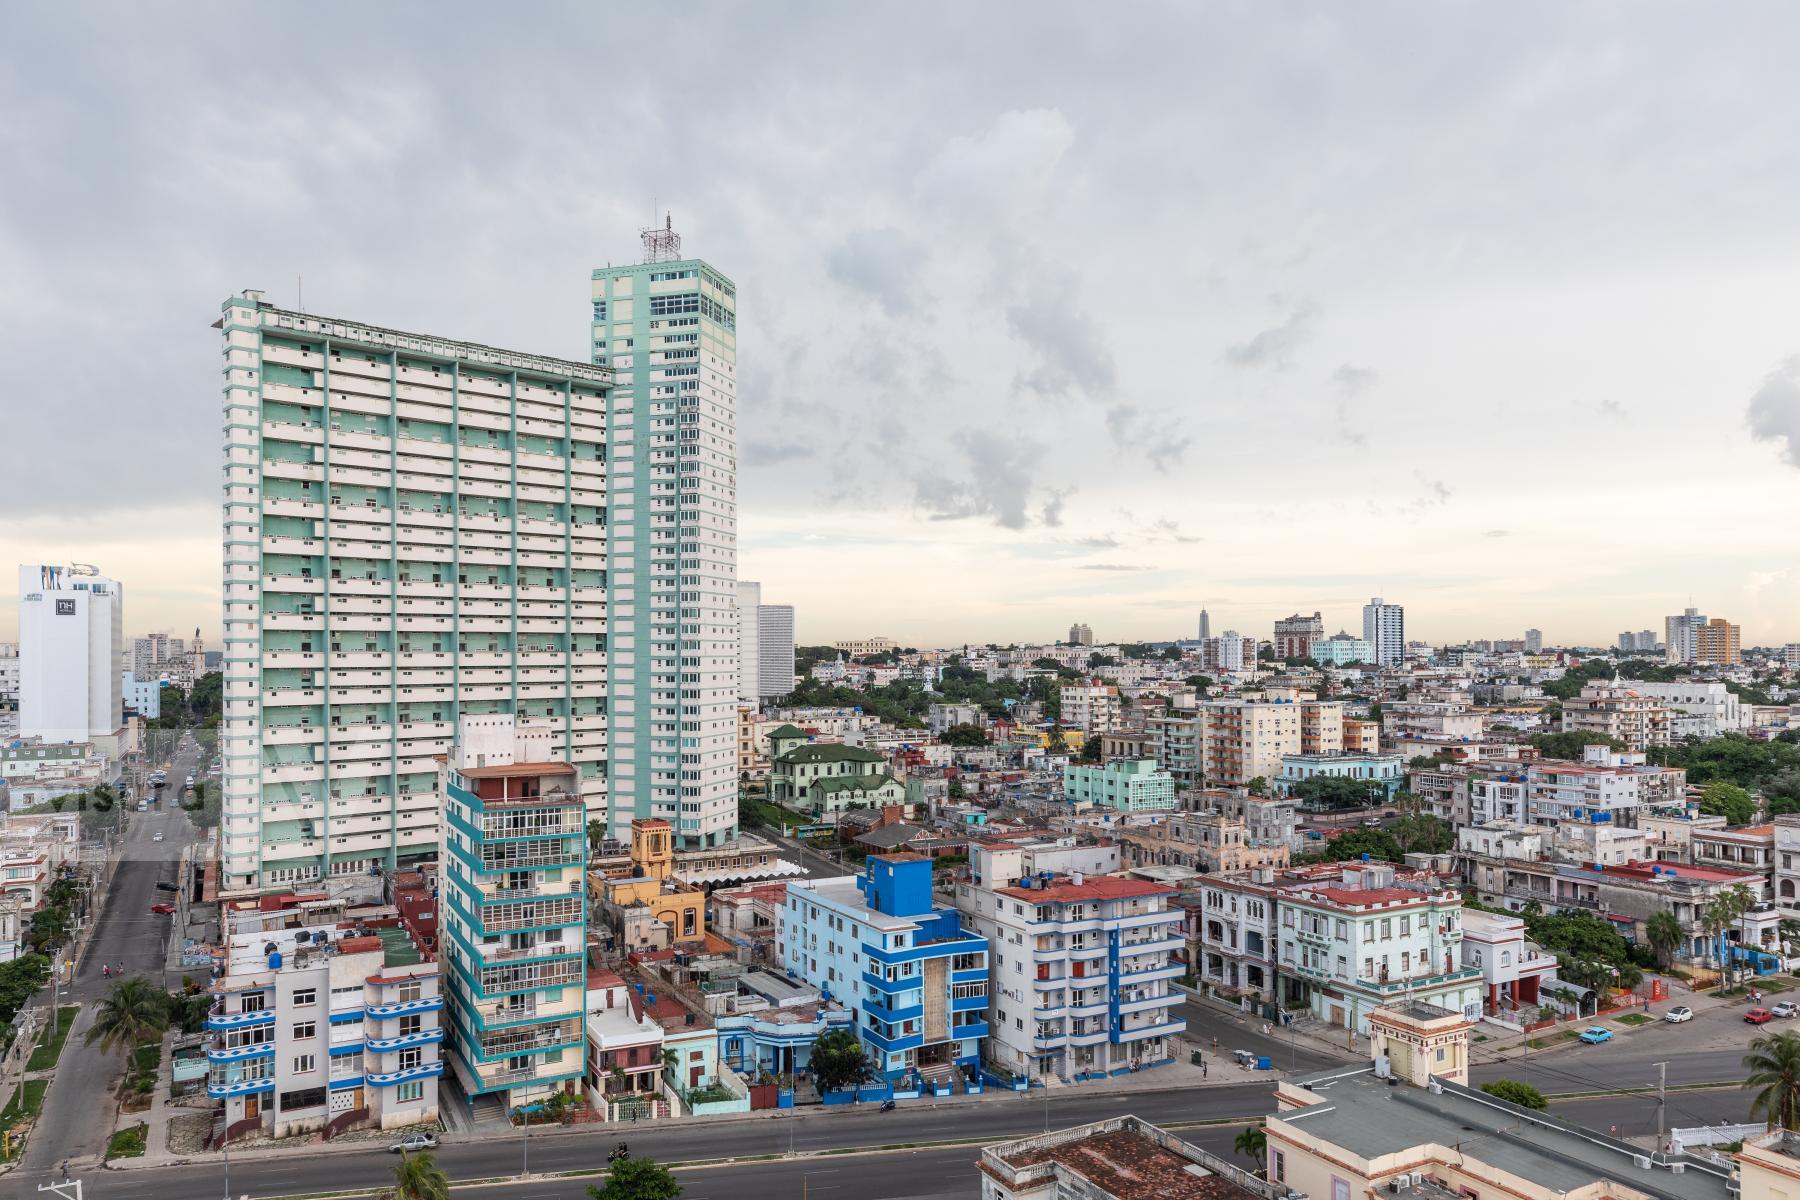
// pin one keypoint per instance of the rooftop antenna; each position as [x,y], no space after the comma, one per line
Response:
[661,245]
[300,293]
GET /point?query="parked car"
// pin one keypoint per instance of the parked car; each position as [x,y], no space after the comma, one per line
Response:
[414,1141]
[1759,1016]
[164,885]
[1593,1035]
[156,837]
[163,908]
[1785,1008]
[1678,1014]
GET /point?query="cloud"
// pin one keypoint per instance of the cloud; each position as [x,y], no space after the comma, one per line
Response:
[1052,512]
[998,483]
[1354,381]
[881,264]
[759,453]
[1275,347]
[1131,429]
[1496,533]
[1006,167]
[1111,567]
[1436,491]
[1611,408]
[1072,355]
[1774,412]
[1103,542]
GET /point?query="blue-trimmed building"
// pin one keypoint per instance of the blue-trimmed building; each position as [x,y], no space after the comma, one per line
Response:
[315,1030]
[915,981]
[513,919]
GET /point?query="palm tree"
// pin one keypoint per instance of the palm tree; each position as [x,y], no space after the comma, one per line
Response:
[1664,934]
[133,1012]
[418,1177]
[1253,1144]
[1774,1066]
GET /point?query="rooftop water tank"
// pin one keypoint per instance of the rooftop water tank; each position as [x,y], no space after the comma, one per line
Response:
[275,960]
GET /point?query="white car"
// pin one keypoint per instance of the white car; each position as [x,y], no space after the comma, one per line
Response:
[1784,1009]
[156,837]
[1678,1014]
[414,1141]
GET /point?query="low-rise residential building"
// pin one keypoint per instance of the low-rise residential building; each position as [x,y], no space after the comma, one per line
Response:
[939,717]
[1123,785]
[624,1056]
[1361,737]
[1351,947]
[827,777]
[1787,863]
[767,1024]
[1618,712]
[644,905]
[1514,970]
[1697,708]
[35,851]
[1080,985]
[915,980]
[1213,842]
[1748,848]
[317,1029]
[1383,773]
[752,761]
[999,860]
[1092,707]
[1231,936]
[1342,648]
[1415,721]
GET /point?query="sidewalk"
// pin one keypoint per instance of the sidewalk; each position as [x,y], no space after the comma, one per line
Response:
[1503,1046]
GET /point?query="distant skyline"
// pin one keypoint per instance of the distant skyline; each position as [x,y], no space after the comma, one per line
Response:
[1043,316]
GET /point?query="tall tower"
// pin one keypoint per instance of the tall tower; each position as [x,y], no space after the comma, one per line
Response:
[749,605]
[1205,625]
[413,535]
[1384,628]
[71,622]
[668,329]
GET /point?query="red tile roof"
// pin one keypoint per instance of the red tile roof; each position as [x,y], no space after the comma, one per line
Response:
[1063,890]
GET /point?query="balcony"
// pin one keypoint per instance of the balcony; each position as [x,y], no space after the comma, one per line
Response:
[418,1037]
[220,1053]
[527,1041]
[491,953]
[390,1078]
[239,1020]
[240,1087]
[398,1008]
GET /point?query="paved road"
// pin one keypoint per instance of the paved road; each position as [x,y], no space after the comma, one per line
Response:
[1235,1032]
[78,1109]
[897,1175]
[1708,1049]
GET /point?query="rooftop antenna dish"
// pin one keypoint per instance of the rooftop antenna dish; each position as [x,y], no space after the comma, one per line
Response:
[661,245]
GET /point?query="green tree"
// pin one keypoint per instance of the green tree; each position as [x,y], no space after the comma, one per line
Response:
[838,1061]
[20,980]
[596,832]
[1199,682]
[1421,833]
[1258,786]
[637,1179]
[1728,800]
[1664,933]
[1378,844]
[1090,749]
[964,735]
[1782,791]
[1774,1067]
[1570,744]
[1334,791]
[133,1011]
[418,1177]
[1515,1091]
[1253,1144]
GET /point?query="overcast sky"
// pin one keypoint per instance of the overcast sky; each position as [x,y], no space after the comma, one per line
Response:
[1046,312]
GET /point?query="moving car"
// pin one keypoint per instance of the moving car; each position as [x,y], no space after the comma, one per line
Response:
[1759,1016]
[156,837]
[164,907]
[1593,1035]
[163,885]
[1678,1014]
[1785,1009]
[414,1141]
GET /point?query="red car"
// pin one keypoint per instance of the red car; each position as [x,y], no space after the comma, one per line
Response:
[169,908]
[1759,1016]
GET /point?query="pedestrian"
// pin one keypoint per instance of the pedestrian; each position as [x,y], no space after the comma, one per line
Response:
[105,971]
[1203,1068]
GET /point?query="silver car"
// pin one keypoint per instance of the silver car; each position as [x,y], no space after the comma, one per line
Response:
[415,1141]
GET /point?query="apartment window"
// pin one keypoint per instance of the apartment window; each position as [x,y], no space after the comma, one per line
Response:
[306,996]
[409,1091]
[313,1097]
[305,1062]
[1279,1159]
[411,1058]
[1387,928]
[303,1030]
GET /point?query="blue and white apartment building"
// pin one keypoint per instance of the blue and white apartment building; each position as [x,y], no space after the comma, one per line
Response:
[513,924]
[915,981]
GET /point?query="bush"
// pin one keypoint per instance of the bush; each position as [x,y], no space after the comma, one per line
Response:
[1514,1091]
[128,1143]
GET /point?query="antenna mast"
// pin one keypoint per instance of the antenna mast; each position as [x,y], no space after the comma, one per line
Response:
[661,244]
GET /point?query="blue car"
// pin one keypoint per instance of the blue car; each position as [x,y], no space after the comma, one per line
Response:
[1593,1035]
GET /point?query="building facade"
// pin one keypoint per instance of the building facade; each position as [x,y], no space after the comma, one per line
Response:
[915,980]
[1295,635]
[414,532]
[1092,707]
[667,330]
[1384,628]
[71,635]
[1124,785]
[514,915]
[1081,974]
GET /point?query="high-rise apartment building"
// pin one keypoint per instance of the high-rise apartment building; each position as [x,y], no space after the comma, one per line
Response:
[70,640]
[514,915]
[1384,628]
[1295,635]
[765,646]
[1716,643]
[1534,641]
[1080,635]
[667,328]
[9,676]
[414,533]
[1681,635]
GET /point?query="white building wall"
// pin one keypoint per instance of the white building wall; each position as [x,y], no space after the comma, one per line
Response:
[70,641]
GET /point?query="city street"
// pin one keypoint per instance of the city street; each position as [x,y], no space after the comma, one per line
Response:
[78,1109]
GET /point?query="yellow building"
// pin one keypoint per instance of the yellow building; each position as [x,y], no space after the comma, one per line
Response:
[641,904]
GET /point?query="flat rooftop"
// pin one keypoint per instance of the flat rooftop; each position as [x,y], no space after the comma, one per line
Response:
[1123,1162]
[1363,1114]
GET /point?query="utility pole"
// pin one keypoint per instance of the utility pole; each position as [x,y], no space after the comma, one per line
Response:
[1662,1081]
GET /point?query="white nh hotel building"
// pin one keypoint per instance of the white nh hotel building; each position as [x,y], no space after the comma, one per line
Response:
[414,530]
[70,639]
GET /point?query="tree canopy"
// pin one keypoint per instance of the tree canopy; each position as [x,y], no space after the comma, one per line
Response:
[1728,800]
[1515,1091]
[1571,743]
[637,1179]
[964,735]
[838,1061]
